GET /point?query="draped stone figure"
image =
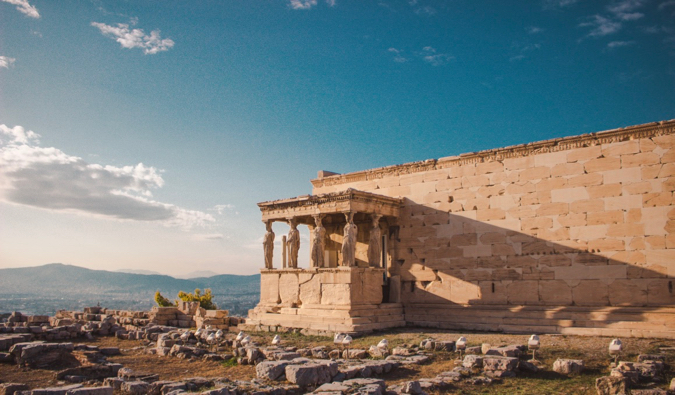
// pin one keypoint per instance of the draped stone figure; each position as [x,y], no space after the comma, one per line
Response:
[375,243]
[268,246]
[318,242]
[349,241]
[293,242]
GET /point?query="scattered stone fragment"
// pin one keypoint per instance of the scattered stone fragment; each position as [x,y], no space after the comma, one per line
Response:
[610,385]
[11,388]
[568,366]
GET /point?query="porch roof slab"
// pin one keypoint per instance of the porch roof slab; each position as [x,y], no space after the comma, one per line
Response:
[351,200]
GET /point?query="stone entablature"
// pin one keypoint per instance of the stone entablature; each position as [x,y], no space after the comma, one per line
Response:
[647,130]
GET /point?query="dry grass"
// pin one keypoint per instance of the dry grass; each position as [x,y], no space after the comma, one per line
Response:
[593,350]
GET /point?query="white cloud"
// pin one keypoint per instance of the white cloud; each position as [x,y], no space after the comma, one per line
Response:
[331,3]
[665,4]
[426,10]
[624,9]
[6,62]
[302,4]
[398,57]
[601,26]
[558,3]
[221,208]
[618,44]
[430,55]
[135,38]
[209,236]
[50,179]
[25,8]
[534,30]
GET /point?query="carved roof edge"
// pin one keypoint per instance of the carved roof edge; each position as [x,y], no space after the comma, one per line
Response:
[314,200]
[514,151]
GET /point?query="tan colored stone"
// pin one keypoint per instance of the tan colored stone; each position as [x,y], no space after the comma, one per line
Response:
[588,232]
[289,288]
[647,145]
[475,181]
[667,170]
[521,163]
[587,206]
[607,190]
[554,235]
[489,167]
[520,188]
[606,245]
[605,217]
[335,294]
[521,212]
[622,148]
[585,180]
[490,191]
[650,172]
[655,220]
[567,169]
[623,176]
[637,243]
[633,215]
[590,293]
[310,290]
[449,184]
[625,230]
[555,292]
[670,241]
[549,184]
[572,219]
[550,159]
[656,242]
[569,195]
[490,214]
[666,141]
[529,224]
[602,164]
[628,292]
[641,159]
[623,202]
[629,257]
[535,173]
[657,199]
[553,209]
[584,154]
[523,292]
[269,288]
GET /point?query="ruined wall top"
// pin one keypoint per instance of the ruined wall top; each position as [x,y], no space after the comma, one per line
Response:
[553,145]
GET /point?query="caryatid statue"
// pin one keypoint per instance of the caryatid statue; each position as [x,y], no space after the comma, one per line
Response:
[293,242]
[318,242]
[268,245]
[375,243]
[349,241]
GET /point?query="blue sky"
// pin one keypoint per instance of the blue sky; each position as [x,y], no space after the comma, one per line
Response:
[141,134]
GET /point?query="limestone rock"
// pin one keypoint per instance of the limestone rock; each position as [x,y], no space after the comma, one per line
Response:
[91,391]
[568,366]
[11,388]
[609,385]
[412,387]
[270,370]
[500,363]
[135,387]
[473,361]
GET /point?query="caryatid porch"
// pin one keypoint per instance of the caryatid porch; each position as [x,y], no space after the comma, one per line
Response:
[346,286]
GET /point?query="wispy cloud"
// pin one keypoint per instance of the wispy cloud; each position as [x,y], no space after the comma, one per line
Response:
[549,4]
[398,56]
[135,38]
[50,179]
[331,3]
[601,26]
[669,3]
[209,236]
[522,49]
[624,9]
[534,30]
[302,4]
[619,44]
[6,61]
[24,7]
[431,56]
[426,10]
[221,208]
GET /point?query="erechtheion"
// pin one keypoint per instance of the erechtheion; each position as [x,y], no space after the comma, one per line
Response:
[573,235]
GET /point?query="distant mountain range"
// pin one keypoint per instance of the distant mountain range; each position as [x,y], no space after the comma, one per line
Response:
[50,283]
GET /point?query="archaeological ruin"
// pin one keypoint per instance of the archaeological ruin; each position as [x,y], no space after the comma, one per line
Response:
[573,235]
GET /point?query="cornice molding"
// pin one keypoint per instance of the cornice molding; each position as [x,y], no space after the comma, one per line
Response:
[648,130]
[335,197]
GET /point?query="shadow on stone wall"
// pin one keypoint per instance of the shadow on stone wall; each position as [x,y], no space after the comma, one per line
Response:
[460,272]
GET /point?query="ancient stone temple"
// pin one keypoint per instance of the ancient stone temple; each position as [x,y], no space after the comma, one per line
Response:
[573,235]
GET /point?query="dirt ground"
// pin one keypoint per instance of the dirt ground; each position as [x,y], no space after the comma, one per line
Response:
[593,350]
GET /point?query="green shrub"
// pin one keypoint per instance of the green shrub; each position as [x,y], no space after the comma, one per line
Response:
[204,300]
[162,301]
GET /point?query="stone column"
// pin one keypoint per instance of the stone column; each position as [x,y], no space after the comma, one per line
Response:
[318,242]
[375,243]
[293,244]
[268,246]
[349,241]
[284,248]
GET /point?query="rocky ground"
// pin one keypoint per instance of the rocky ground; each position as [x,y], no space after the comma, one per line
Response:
[302,366]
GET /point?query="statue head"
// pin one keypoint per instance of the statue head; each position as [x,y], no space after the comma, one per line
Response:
[318,220]
[292,223]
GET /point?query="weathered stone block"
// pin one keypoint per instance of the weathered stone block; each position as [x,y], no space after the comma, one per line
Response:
[568,366]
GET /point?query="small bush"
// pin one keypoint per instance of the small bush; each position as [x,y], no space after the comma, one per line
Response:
[229,363]
[162,301]
[204,300]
